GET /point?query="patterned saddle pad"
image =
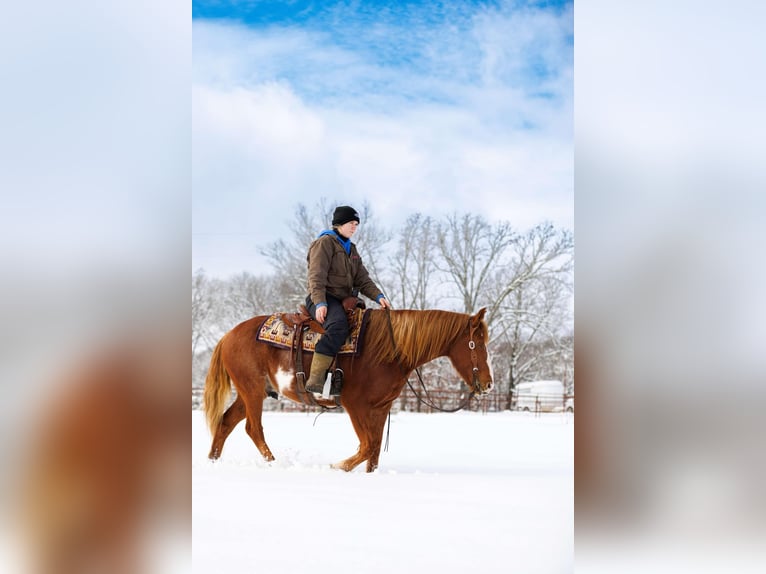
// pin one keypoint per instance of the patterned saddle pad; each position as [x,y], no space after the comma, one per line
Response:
[276,332]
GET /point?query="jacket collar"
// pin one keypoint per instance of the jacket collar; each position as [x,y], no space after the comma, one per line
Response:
[345,243]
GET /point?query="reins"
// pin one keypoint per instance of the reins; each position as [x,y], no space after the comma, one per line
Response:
[428,401]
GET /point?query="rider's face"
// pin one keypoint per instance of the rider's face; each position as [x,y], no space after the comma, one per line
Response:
[347,230]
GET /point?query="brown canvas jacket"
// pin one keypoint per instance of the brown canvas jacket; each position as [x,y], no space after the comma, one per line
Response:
[332,271]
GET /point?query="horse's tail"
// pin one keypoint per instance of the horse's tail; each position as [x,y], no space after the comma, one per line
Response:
[217,389]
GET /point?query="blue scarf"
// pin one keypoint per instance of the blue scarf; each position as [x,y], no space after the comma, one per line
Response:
[346,243]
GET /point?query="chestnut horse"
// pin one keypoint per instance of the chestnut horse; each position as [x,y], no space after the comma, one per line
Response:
[394,344]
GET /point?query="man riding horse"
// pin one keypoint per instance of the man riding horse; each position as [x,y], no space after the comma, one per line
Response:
[335,273]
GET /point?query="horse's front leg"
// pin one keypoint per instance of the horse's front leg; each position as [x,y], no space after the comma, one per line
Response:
[363,452]
[351,462]
[375,429]
[369,428]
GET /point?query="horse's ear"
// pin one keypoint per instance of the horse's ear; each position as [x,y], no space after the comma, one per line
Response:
[479,317]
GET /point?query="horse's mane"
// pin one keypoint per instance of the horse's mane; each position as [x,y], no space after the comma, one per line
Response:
[417,335]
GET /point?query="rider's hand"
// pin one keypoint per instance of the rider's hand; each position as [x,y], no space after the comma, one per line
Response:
[384,304]
[321,314]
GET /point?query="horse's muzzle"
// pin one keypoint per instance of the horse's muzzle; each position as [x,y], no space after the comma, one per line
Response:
[478,387]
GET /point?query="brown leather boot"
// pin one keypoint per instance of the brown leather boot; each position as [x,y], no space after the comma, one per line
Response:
[319,366]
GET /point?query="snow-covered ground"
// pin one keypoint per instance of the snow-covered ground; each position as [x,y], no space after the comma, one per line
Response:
[462,492]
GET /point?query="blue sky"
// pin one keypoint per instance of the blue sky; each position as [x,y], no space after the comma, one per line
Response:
[411,106]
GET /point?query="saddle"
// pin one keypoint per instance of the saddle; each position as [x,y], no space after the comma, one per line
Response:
[300,319]
[351,304]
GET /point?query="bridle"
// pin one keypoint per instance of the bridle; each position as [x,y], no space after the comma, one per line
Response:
[474,358]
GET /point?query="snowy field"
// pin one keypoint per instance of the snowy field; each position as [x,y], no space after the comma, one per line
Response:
[462,492]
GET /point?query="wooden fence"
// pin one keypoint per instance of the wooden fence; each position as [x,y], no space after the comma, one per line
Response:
[441,398]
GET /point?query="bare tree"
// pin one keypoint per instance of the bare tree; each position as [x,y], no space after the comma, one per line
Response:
[531,332]
[470,250]
[202,307]
[413,264]
[371,241]
[543,251]
[245,296]
[205,307]
[288,256]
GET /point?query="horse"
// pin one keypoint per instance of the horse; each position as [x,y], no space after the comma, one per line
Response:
[394,344]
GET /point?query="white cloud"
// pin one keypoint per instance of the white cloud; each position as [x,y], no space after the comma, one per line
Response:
[467,118]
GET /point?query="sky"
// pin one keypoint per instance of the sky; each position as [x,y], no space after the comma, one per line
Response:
[425,107]
[454,493]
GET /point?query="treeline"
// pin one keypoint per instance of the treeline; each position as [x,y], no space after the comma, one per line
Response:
[461,262]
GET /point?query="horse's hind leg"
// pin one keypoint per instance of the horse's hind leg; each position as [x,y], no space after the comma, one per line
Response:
[254,427]
[232,416]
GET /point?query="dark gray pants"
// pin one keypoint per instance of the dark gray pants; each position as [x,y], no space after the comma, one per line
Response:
[335,325]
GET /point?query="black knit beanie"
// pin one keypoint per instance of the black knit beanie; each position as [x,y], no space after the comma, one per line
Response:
[344,214]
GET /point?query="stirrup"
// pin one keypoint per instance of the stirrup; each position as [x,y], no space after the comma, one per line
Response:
[336,385]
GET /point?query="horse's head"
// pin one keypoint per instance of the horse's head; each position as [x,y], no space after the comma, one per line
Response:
[470,356]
